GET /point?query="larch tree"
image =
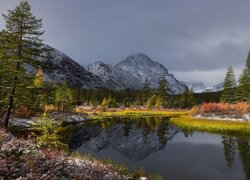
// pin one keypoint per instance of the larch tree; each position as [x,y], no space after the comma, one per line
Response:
[151,101]
[228,93]
[64,97]
[21,44]
[39,87]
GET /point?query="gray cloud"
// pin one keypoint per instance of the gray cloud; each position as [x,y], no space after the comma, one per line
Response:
[194,38]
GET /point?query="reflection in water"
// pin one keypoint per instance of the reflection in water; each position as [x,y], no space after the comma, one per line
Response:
[244,152]
[229,144]
[136,138]
[152,143]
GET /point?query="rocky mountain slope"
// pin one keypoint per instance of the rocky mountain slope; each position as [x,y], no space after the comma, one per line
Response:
[58,67]
[196,87]
[133,71]
[114,77]
[215,88]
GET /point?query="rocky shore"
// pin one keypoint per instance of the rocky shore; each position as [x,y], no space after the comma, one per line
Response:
[23,159]
[237,118]
[65,118]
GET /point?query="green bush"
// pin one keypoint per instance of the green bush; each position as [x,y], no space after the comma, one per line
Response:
[48,133]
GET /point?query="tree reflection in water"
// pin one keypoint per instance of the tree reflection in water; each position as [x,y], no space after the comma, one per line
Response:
[150,134]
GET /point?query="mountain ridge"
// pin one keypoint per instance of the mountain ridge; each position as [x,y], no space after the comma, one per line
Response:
[58,68]
[136,69]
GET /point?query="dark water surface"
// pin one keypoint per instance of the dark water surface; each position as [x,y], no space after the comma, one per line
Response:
[157,147]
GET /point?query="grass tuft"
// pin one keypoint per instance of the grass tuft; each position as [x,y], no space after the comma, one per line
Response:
[139,113]
[212,126]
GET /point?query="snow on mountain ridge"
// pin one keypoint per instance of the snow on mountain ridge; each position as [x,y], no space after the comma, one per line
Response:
[114,77]
[215,88]
[196,87]
[132,73]
[58,67]
[142,67]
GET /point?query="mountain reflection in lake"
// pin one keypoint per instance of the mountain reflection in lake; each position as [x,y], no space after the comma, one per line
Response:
[152,144]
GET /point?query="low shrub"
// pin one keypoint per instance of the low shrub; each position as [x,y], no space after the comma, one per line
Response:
[23,112]
[220,109]
[48,133]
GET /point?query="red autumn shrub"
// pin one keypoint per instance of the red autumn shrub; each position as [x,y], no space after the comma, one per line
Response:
[23,112]
[241,107]
[221,109]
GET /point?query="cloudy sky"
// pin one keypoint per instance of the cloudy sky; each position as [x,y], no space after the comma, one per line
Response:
[195,39]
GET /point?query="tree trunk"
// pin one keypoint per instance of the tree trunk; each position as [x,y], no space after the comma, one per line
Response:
[11,98]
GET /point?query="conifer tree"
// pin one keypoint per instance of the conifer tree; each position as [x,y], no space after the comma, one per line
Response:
[187,99]
[243,90]
[228,93]
[21,43]
[158,102]
[104,104]
[64,97]
[38,82]
[47,133]
[151,101]
[163,91]
[39,87]
[146,91]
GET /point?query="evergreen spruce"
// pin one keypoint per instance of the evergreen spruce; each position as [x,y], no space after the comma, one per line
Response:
[163,91]
[187,99]
[243,90]
[146,92]
[229,94]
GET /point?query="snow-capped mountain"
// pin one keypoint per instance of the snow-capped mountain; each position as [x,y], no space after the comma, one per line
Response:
[215,88]
[58,67]
[114,77]
[133,71]
[130,73]
[142,67]
[196,87]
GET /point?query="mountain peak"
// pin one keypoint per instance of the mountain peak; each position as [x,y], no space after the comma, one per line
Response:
[100,63]
[138,58]
[98,66]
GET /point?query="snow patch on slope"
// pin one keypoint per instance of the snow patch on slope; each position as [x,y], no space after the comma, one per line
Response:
[142,67]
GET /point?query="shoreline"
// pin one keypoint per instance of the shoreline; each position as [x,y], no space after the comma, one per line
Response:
[229,127]
[24,159]
[246,118]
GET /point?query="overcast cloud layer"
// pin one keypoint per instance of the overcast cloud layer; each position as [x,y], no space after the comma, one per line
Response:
[195,39]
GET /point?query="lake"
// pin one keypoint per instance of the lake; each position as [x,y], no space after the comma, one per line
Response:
[157,147]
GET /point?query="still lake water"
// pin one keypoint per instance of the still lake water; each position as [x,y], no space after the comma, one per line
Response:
[154,145]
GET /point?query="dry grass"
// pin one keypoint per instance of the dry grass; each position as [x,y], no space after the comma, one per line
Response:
[213,126]
[139,113]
